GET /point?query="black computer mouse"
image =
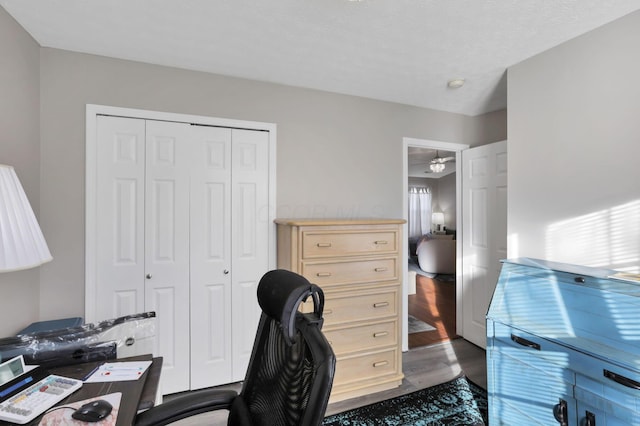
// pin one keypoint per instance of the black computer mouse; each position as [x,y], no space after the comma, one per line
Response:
[93,411]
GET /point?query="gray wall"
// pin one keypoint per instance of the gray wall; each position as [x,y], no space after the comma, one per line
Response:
[337,156]
[20,148]
[574,145]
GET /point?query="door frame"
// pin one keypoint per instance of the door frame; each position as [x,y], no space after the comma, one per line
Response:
[92,113]
[444,146]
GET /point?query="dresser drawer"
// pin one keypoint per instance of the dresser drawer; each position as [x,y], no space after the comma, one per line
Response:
[365,306]
[351,272]
[365,367]
[365,337]
[322,244]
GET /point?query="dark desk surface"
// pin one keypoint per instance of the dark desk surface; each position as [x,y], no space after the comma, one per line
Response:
[136,394]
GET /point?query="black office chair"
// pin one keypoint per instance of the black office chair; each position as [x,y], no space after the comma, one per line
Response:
[290,372]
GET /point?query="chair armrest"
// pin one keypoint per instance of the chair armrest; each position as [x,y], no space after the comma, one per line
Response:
[187,405]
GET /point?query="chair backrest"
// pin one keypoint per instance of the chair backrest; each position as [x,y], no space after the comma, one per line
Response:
[291,369]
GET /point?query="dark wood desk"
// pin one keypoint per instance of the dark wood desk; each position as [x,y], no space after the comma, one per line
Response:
[136,394]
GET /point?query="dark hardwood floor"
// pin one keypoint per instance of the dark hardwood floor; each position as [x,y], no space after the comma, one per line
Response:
[435,304]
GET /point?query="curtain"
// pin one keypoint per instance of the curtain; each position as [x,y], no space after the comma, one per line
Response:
[419,212]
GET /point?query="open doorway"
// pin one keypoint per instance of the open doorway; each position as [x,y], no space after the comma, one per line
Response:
[431,179]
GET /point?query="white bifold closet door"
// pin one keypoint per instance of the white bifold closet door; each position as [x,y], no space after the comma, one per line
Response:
[183,231]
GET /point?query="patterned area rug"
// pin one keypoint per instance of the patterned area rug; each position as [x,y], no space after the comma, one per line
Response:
[458,402]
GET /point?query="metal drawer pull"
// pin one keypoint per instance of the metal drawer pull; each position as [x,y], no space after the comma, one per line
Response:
[323,245]
[590,419]
[380,364]
[323,274]
[624,381]
[381,269]
[380,304]
[381,242]
[560,413]
[380,334]
[524,342]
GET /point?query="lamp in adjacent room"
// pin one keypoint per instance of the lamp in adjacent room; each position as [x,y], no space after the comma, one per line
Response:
[438,220]
[22,244]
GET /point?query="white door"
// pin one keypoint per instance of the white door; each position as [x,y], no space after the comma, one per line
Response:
[250,224]
[168,164]
[119,248]
[484,232]
[211,354]
[182,227]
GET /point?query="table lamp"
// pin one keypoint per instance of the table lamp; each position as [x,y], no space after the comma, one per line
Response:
[22,244]
[438,220]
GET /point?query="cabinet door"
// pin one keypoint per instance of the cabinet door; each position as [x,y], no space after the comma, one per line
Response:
[211,354]
[527,393]
[167,246]
[119,229]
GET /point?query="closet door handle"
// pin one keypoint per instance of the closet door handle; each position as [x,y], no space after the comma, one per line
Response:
[524,342]
[624,381]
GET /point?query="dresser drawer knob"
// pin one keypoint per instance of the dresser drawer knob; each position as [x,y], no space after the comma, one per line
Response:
[382,269]
[323,274]
[380,304]
[381,242]
[380,334]
[624,381]
[323,245]
[380,364]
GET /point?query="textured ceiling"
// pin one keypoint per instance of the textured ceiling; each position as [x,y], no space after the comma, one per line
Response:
[395,50]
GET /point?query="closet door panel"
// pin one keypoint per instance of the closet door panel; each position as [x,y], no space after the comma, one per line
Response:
[120,215]
[211,351]
[250,227]
[167,246]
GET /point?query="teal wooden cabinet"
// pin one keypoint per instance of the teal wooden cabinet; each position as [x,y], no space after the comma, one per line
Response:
[563,346]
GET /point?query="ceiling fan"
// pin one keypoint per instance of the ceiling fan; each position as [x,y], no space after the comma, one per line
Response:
[437,164]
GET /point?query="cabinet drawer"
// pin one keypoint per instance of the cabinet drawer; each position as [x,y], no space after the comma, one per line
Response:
[317,244]
[362,338]
[366,306]
[366,367]
[351,272]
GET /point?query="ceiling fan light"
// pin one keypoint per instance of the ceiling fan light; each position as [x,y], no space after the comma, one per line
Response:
[437,167]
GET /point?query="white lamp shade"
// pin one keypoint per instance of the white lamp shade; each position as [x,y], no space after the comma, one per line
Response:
[22,244]
[437,218]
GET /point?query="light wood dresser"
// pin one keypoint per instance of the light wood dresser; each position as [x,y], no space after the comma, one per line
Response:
[357,264]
